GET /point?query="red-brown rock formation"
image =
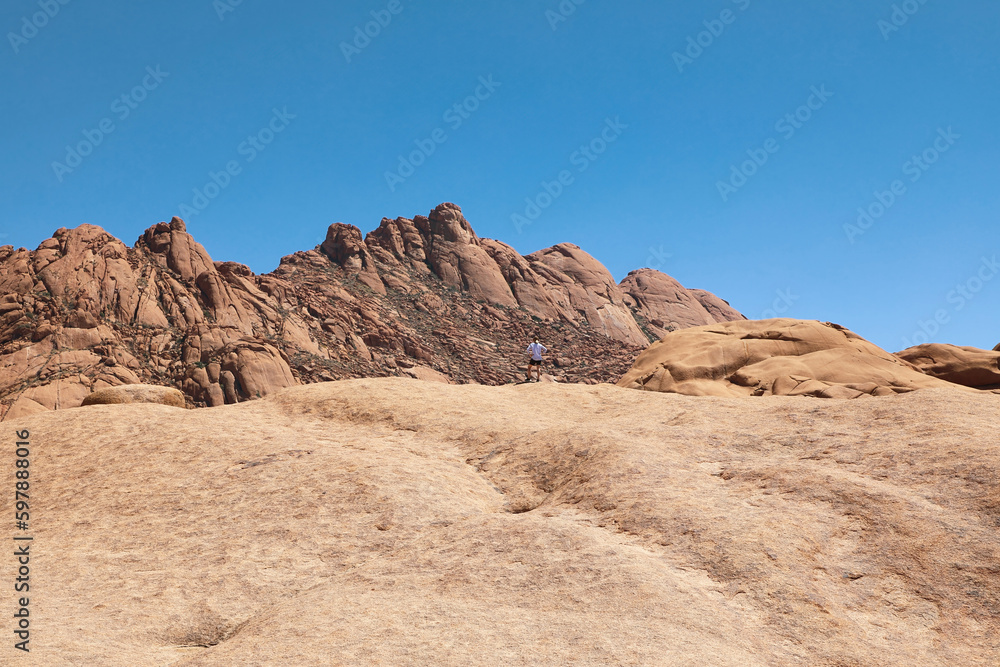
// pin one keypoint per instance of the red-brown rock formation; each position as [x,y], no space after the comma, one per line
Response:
[668,306]
[424,296]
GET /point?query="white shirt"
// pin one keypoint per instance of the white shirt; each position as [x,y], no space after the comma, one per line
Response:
[536,350]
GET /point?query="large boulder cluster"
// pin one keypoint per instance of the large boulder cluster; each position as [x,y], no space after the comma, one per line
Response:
[421,297]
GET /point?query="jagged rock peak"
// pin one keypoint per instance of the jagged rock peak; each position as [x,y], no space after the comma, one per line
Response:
[448,222]
[345,247]
[173,248]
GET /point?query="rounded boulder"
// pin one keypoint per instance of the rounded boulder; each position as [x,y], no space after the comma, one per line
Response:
[136,393]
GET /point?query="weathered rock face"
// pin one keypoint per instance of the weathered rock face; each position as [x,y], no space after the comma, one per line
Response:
[530,289]
[968,366]
[345,247]
[558,284]
[84,312]
[668,306]
[716,307]
[92,313]
[443,244]
[454,254]
[782,357]
[579,283]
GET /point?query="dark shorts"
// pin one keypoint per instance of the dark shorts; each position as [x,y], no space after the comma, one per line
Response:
[534,362]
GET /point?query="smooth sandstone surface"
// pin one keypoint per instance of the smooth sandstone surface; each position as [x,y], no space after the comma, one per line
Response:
[783,357]
[400,522]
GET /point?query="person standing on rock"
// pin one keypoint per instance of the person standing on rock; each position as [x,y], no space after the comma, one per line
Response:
[536,350]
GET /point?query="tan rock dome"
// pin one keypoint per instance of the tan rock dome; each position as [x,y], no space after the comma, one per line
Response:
[773,357]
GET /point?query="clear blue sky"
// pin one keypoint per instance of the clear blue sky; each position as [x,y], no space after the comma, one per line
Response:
[887,92]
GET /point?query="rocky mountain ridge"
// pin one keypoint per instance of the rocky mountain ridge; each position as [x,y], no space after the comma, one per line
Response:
[423,297]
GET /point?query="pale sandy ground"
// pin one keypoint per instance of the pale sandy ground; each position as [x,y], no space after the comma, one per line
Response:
[397,522]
